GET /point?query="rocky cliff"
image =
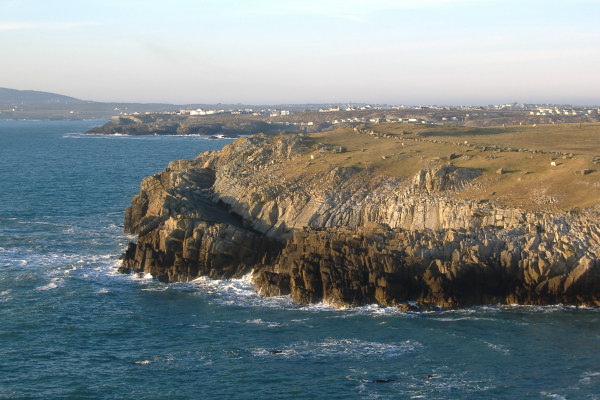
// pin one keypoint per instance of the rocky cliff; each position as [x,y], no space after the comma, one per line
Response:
[352,236]
[169,124]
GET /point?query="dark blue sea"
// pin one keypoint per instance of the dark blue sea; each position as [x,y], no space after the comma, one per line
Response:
[71,327]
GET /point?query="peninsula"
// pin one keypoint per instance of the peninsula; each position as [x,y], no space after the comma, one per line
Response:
[404,215]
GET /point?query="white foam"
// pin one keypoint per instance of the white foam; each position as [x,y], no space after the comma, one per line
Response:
[238,292]
[498,347]
[346,348]
[373,310]
[35,223]
[261,322]
[80,135]
[5,296]
[553,396]
[441,381]
[589,376]
[543,309]
[155,289]
[136,277]
[466,318]
[319,307]
[50,286]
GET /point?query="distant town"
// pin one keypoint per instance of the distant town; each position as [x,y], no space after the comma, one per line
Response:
[350,114]
[27,104]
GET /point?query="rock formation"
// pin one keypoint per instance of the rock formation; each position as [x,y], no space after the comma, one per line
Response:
[350,236]
[168,124]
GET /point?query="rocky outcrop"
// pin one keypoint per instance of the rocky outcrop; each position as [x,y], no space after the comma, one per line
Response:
[169,124]
[448,268]
[351,236]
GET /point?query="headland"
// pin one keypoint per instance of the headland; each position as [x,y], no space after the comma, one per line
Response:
[412,216]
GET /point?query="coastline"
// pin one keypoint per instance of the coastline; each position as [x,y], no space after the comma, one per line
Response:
[352,237]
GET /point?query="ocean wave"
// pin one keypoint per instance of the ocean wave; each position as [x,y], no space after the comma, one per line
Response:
[80,135]
[238,292]
[480,312]
[444,382]
[440,383]
[47,271]
[589,376]
[261,322]
[53,284]
[32,259]
[497,347]
[548,309]
[155,289]
[5,296]
[23,222]
[471,317]
[344,348]
[188,359]
[553,395]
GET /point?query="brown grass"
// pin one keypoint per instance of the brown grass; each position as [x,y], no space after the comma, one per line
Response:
[529,180]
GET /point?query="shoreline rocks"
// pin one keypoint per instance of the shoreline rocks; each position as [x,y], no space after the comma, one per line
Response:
[351,237]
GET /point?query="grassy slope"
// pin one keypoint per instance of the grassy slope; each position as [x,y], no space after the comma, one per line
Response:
[529,180]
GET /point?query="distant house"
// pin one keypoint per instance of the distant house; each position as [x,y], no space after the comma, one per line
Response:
[330,109]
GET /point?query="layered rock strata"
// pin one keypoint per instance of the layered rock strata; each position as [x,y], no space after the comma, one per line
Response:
[349,237]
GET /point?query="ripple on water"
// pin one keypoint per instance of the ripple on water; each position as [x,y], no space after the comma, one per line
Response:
[341,348]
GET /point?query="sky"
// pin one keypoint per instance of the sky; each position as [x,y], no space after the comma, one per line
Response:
[412,52]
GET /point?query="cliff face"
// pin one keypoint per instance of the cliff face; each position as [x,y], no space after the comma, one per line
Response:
[348,236]
[168,124]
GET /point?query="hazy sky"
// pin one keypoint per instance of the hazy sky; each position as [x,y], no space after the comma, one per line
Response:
[305,51]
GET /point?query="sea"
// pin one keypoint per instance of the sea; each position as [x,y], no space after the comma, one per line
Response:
[71,327]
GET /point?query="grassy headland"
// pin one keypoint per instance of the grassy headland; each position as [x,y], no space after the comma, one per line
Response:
[544,167]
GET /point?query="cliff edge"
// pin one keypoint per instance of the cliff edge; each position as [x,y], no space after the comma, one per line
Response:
[359,217]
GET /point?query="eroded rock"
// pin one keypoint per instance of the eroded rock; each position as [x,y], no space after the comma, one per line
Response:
[350,237]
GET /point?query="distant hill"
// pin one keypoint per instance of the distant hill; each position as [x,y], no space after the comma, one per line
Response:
[32,104]
[14,97]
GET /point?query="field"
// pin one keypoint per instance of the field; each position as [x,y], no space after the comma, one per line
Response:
[544,167]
